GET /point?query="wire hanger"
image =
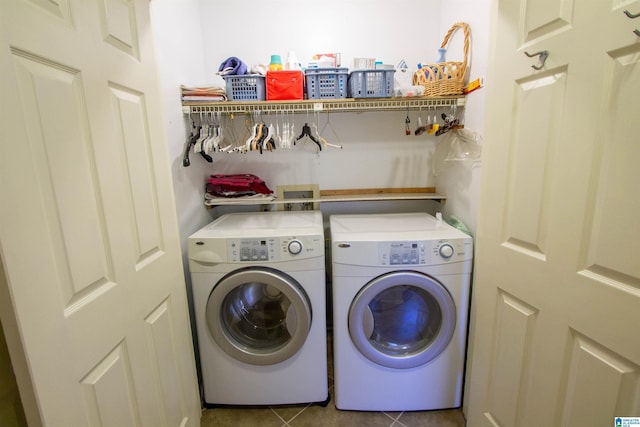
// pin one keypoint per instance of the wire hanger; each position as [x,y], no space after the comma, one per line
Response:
[323,140]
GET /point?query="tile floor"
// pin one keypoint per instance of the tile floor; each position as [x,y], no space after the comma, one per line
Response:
[329,416]
[316,416]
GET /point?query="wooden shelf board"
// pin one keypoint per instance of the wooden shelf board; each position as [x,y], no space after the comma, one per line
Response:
[357,195]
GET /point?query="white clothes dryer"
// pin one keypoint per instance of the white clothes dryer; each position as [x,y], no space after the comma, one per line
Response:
[259,292]
[400,307]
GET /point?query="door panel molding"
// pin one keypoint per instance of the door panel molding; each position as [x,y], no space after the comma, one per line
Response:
[513,339]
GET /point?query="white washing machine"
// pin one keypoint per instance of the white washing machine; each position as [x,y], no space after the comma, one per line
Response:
[400,301]
[260,305]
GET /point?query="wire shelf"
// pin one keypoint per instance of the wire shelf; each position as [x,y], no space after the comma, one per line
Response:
[337,105]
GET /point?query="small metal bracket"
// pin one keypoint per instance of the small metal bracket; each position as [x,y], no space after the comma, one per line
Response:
[543,54]
[633,16]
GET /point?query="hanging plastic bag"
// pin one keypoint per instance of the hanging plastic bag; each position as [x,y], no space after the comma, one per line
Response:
[457,145]
[465,145]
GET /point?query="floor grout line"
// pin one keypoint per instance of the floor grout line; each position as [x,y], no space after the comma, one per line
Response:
[395,420]
[389,415]
[278,415]
[296,415]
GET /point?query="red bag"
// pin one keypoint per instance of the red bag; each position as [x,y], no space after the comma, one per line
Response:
[283,85]
[236,185]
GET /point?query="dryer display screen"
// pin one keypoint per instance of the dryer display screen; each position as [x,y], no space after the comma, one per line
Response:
[402,253]
[252,250]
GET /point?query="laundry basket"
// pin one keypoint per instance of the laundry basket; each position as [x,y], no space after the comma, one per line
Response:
[371,84]
[445,78]
[245,87]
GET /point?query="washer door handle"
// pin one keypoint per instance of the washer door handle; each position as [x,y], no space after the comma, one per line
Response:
[291,320]
[367,322]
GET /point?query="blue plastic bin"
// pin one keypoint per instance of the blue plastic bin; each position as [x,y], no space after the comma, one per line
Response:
[371,84]
[323,83]
[245,87]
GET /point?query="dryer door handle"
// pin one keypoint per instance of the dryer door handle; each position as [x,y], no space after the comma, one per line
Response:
[291,320]
[367,322]
[206,257]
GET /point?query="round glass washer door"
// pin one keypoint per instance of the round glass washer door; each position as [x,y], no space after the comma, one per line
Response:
[402,319]
[259,315]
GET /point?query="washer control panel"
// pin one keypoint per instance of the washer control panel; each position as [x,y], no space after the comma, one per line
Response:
[274,248]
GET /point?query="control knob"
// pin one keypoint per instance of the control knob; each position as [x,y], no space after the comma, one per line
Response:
[446,250]
[294,247]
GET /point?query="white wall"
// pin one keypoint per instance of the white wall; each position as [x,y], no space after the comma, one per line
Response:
[460,181]
[253,30]
[180,58]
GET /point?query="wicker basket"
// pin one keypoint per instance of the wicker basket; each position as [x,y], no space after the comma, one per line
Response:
[445,78]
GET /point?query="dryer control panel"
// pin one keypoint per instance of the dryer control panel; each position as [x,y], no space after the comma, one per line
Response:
[424,252]
[402,253]
[252,250]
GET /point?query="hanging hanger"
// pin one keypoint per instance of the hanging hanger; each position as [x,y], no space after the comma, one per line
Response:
[450,122]
[407,121]
[290,126]
[434,126]
[263,139]
[207,144]
[319,134]
[194,135]
[276,131]
[223,130]
[268,142]
[306,131]
[287,133]
[219,132]
[204,133]
[324,141]
[254,142]
[421,128]
[254,133]
[234,142]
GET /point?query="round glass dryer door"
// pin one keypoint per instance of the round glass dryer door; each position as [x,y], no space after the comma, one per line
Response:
[259,315]
[402,319]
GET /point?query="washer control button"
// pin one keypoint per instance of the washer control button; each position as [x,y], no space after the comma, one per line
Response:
[294,247]
[446,250]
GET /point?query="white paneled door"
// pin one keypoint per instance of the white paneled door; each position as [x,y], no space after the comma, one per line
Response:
[88,231]
[555,338]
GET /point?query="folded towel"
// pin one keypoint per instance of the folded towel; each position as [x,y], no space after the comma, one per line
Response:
[203,93]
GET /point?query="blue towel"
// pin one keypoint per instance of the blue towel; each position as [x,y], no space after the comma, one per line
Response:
[231,66]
